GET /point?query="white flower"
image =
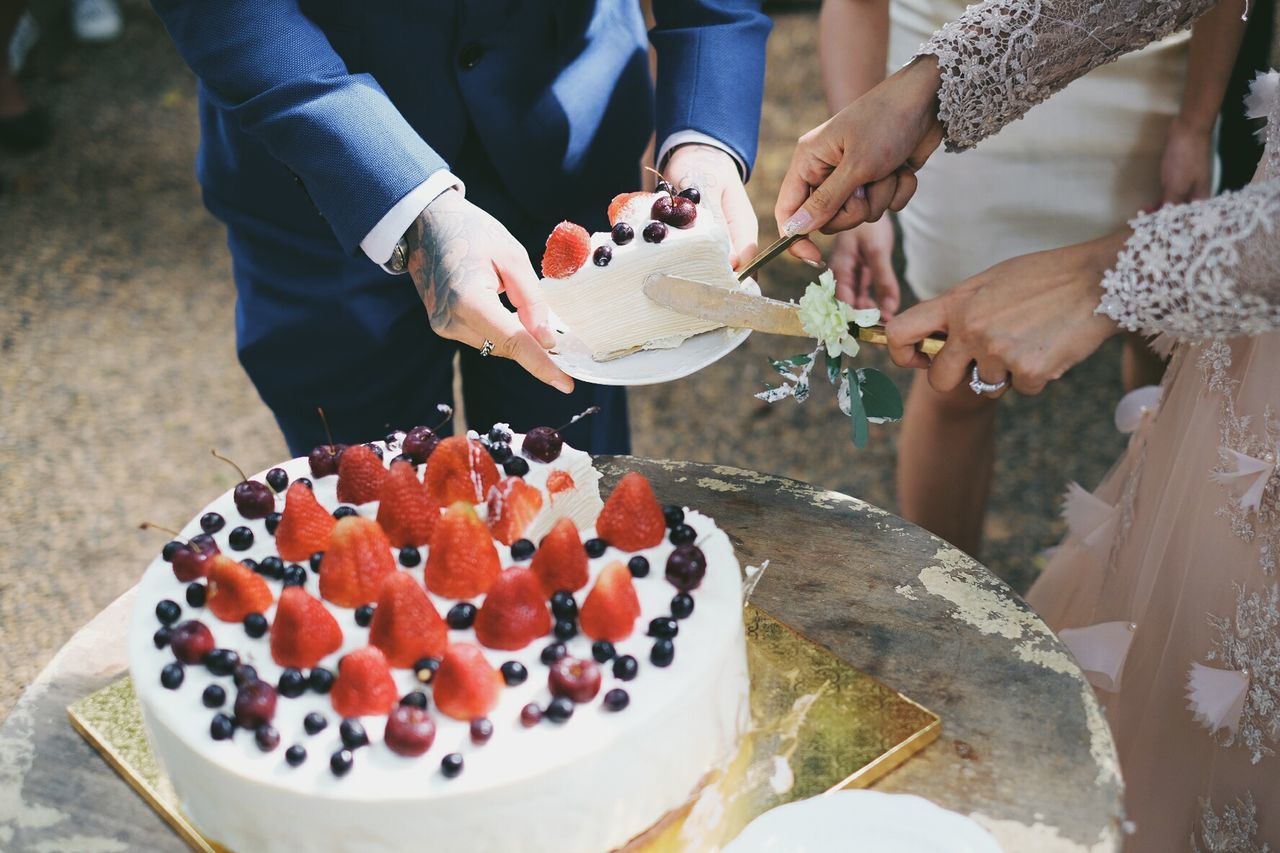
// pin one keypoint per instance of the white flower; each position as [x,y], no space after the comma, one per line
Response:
[827,318]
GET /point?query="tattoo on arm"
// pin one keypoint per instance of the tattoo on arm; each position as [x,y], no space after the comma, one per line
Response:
[448,254]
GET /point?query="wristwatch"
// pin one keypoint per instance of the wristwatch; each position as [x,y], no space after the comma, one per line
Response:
[399,257]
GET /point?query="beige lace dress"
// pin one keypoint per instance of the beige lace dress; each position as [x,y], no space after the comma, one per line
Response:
[1166,588]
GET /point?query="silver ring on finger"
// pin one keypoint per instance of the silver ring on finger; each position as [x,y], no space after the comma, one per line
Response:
[979,387]
[486,349]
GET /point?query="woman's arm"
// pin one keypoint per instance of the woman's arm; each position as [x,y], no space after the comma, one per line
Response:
[853,48]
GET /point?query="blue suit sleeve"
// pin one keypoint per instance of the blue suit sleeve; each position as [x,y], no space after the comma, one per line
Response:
[273,70]
[711,58]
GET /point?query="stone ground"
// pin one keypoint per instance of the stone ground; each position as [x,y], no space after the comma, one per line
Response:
[118,368]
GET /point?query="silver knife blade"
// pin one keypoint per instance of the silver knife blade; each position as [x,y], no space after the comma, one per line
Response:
[733,308]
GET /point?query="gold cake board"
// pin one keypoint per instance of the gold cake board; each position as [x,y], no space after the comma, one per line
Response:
[818,725]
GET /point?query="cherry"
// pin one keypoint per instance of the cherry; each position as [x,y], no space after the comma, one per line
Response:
[481,731]
[255,704]
[575,679]
[420,441]
[191,641]
[323,459]
[686,567]
[691,193]
[530,715]
[278,479]
[683,213]
[410,731]
[544,443]
[623,233]
[662,207]
[266,737]
[253,498]
[654,232]
[187,558]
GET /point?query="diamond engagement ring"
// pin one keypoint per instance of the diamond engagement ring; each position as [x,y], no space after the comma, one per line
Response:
[979,387]
[487,348]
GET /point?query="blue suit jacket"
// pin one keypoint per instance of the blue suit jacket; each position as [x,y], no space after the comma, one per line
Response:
[543,107]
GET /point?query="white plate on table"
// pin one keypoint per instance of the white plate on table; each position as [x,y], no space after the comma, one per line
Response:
[862,822]
[647,367]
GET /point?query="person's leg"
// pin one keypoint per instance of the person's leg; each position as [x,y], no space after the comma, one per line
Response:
[945,455]
[1139,366]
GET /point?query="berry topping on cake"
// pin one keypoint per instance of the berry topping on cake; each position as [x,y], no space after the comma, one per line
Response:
[682,605]
[253,498]
[602,256]
[172,675]
[305,526]
[616,699]
[530,715]
[466,687]
[410,731]
[405,512]
[277,479]
[324,458]
[623,234]
[691,193]
[240,539]
[631,518]
[514,613]
[191,561]
[683,213]
[566,251]
[545,443]
[462,561]
[625,668]
[255,704]
[627,205]
[235,591]
[662,653]
[295,755]
[304,630]
[214,696]
[611,608]
[522,549]
[481,731]
[559,709]
[352,734]
[654,232]
[559,481]
[513,504]
[355,562]
[364,685]
[405,623]
[212,522]
[168,611]
[575,679]
[451,765]
[639,566]
[420,441]
[461,616]
[686,567]
[360,475]
[364,615]
[460,470]
[514,673]
[683,534]
[560,561]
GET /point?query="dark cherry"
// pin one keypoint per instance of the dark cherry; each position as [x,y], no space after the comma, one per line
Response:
[170,548]
[314,723]
[654,232]
[522,549]
[272,521]
[625,668]
[416,698]
[602,256]
[241,539]
[162,636]
[314,561]
[530,715]
[425,669]
[222,661]
[191,641]
[168,612]
[514,673]
[662,653]
[295,755]
[255,704]
[516,466]
[345,511]
[553,653]
[559,709]
[451,765]
[603,651]
[323,459]
[410,731]
[266,737]
[563,605]
[623,233]
[254,498]
[244,674]
[295,575]
[575,679]
[683,213]
[674,515]
[255,625]
[682,534]
[481,731]
[410,556]
[212,522]
[221,727]
[272,566]
[595,547]
[172,674]
[565,630]
[418,444]
[340,762]
[292,683]
[639,566]
[665,187]
[205,542]
[213,696]
[461,616]
[189,561]
[663,627]
[616,699]
[662,206]
[352,733]
[320,680]
[197,594]
[277,479]
[682,605]
[364,615]
[543,444]
[686,567]
[691,193]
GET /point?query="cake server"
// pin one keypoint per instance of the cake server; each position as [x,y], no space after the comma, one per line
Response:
[741,310]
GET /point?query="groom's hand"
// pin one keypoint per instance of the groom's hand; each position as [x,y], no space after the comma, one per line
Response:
[461,259]
[716,176]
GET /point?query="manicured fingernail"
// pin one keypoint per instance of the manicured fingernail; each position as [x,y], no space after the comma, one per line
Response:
[817,265]
[799,221]
[860,192]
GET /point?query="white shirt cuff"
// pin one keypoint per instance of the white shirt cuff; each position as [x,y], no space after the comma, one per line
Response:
[379,243]
[688,137]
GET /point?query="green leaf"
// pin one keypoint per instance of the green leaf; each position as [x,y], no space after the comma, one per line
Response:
[857,418]
[880,397]
[785,365]
[833,368]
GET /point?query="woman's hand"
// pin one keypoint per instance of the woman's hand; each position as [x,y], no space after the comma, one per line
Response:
[863,266]
[862,161]
[1186,169]
[1028,319]
[716,176]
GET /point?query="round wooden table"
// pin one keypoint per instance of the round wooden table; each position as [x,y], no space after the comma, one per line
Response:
[1024,749]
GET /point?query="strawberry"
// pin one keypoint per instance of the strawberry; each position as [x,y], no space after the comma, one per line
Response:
[234,590]
[364,686]
[611,608]
[513,504]
[304,527]
[625,205]
[466,686]
[356,561]
[567,250]
[360,475]
[462,561]
[405,623]
[405,512]
[514,613]
[460,470]
[560,561]
[631,518]
[559,481]
[303,631]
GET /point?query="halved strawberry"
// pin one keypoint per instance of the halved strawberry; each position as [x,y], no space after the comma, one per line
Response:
[620,203]
[567,250]
[305,525]
[364,686]
[303,631]
[560,561]
[360,475]
[462,561]
[611,608]
[355,562]
[234,590]
[514,613]
[513,504]
[405,623]
[466,686]
[631,518]
[559,481]
[405,512]
[460,470]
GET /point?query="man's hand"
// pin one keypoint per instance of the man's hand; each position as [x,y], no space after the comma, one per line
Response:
[863,266]
[716,176]
[461,259]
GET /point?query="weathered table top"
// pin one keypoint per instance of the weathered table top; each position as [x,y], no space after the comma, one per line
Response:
[1024,750]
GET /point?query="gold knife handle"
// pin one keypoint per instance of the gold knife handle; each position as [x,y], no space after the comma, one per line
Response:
[767,255]
[931,345]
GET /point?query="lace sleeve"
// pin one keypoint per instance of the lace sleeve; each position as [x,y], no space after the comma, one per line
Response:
[1002,57]
[1205,269]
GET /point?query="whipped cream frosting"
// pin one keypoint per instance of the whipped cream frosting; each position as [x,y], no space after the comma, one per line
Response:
[589,784]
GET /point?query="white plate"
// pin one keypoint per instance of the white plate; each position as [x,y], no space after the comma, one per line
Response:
[850,821]
[647,367]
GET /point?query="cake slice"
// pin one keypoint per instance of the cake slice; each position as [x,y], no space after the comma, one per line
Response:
[594,282]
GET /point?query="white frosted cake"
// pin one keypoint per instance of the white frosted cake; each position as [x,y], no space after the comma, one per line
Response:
[386,695]
[594,282]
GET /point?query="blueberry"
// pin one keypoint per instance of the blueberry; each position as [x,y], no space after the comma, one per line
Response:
[595,547]
[522,549]
[255,625]
[481,731]
[213,696]
[222,661]
[172,674]
[266,737]
[686,567]
[682,605]
[514,673]
[170,548]
[664,628]
[692,194]
[272,521]
[559,709]
[168,612]
[500,451]
[364,615]
[241,539]
[306,481]
[616,699]
[497,433]
[410,556]
[244,674]
[251,564]
[566,629]
[315,559]
[623,233]
[451,765]
[654,232]
[295,575]
[162,636]
[461,615]
[292,683]
[516,466]
[391,438]
[340,762]
[221,727]
[353,734]
[295,755]
[665,187]
[320,680]
[415,699]
[344,511]
[425,669]
[682,534]
[314,723]
[638,565]
[673,514]
[663,652]
[602,256]
[553,653]
[603,651]
[530,715]
[563,605]
[377,451]
[212,522]
[272,567]
[196,594]
[277,479]
[625,668]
